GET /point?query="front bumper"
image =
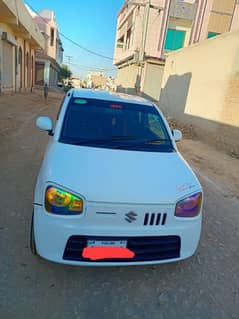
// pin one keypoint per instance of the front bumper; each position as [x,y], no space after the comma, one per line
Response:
[53,235]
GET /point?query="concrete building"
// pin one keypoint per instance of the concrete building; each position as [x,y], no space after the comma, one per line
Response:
[206,94]
[19,38]
[110,84]
[148,30]
[50,57]
[99,80]
[96,80]
[75,82]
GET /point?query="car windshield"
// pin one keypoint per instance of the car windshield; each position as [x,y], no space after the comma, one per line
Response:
[106,124]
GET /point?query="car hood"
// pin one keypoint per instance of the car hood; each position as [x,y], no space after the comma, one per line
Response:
[119,176]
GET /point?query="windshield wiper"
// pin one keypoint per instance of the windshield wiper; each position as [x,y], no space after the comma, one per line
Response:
[117,138]
[102,140]
[157,140]
[145,142]
[121,138]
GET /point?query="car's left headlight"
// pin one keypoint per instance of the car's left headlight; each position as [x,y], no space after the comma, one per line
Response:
[61,202]
[190,206]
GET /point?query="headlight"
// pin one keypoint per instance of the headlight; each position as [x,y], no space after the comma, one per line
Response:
[58,201]
[190,206]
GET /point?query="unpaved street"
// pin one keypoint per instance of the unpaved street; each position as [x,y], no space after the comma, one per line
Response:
[205,286]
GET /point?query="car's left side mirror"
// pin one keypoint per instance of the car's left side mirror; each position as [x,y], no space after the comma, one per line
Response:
[45,123]
[177,135]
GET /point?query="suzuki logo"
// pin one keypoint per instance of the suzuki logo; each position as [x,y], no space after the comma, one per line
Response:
[131,217]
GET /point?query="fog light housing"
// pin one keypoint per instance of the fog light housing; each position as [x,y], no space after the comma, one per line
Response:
[190,206]
[60,202]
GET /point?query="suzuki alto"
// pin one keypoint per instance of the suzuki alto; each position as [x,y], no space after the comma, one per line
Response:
[113,188]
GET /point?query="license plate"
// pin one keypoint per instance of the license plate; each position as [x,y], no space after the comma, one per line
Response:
[107,243]
[107,249]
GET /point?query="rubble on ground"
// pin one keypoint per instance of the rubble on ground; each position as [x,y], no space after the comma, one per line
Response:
[234,154]
[186,129]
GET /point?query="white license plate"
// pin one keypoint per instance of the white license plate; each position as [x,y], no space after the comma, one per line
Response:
[107,243]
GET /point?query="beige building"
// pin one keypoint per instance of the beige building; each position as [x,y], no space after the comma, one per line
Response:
[99,80]
[19,38]
[200,87]
[75,82]
[96,80]
[49,58]
[147,30]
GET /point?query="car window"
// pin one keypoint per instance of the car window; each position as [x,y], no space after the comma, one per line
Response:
[155,125]
[109,124]
[59,111]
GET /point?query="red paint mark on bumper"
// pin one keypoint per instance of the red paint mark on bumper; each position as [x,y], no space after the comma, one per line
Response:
[96,253]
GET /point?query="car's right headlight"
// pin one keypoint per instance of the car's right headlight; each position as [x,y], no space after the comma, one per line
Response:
[61,202]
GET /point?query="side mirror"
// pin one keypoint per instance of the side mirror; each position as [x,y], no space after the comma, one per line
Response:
[45,123]
[177,135]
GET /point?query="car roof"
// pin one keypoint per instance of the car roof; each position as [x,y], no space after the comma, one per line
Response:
[109,96]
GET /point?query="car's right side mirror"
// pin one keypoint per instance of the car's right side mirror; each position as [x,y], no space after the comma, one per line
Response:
[177,135]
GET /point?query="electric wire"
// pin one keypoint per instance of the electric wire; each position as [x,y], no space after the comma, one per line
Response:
[89,68]
[70,40]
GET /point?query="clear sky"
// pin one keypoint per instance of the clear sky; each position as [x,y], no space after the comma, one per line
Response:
[89,23]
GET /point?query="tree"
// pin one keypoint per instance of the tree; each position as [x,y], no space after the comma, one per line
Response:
[64,73]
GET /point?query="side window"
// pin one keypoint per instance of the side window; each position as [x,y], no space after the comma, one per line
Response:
[52,37]
[155,125]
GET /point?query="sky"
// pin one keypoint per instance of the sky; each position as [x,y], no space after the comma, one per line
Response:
[92,24]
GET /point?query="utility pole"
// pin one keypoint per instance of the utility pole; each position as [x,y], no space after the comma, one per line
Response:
[148,6]
[69,57]
[141,58]
[145,31]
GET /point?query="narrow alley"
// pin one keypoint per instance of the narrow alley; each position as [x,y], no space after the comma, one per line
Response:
[204,286]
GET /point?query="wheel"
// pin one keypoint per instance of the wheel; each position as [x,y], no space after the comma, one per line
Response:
[32,238]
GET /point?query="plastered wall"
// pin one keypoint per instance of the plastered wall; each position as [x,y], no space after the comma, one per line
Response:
[200,86]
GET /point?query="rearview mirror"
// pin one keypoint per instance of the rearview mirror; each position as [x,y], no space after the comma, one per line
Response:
[45,123]
[177,135]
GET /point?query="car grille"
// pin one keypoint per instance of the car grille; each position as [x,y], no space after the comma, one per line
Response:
[155,219]
[145,248]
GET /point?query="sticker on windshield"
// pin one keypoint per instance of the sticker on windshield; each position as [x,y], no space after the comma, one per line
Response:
[80,101]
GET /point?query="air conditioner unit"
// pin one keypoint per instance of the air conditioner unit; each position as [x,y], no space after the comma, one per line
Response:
[9,38]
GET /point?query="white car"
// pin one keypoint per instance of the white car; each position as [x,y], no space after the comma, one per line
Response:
[113,188]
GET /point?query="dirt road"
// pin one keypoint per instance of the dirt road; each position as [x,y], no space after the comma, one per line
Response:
[204,286]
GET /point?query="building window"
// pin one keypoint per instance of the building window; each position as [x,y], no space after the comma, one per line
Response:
[212,34]
[52,37]
[174,39]
[120,43]
[128,39]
